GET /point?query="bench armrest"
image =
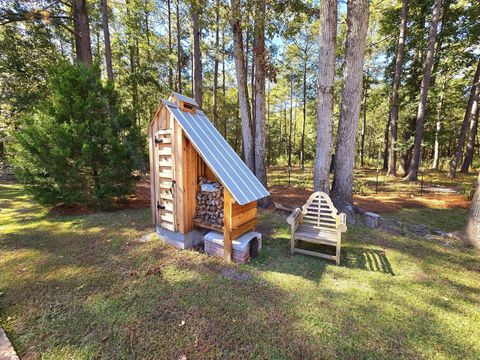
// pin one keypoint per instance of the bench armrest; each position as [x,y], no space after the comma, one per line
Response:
[342,222]
[295,218]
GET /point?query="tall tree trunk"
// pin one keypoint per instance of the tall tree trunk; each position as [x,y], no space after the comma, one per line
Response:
[422,103]
[304,122]
[472,230]
[438,127]
[179,48]
[326,78]
[147,30]
[364,125]
[170,49]
[357,26]
[81,28]
[224,96]
[215,64]
[285,132]
[467,162]
[245,116]
[133,59]
[474,93]
[106,39]
[133,74]
[392,156]
[269,129]
[260,99]
[197,56]
[386,141]
[289,148]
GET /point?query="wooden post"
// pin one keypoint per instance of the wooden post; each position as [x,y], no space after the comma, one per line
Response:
[153,173]
[227,227]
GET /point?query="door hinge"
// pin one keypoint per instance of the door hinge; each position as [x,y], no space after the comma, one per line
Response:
[158,141]
[160,207]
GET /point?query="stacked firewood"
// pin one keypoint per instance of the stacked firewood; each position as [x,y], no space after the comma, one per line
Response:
[210,202]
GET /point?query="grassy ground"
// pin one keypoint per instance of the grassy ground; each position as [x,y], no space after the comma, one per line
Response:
[83,287]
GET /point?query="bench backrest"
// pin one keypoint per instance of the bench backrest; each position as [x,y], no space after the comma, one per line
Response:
[320,212]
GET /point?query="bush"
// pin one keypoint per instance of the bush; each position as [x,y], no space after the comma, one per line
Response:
[77,147]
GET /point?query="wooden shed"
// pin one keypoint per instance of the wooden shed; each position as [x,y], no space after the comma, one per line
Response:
[184,147]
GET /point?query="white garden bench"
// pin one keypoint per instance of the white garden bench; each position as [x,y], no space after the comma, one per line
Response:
[317,222]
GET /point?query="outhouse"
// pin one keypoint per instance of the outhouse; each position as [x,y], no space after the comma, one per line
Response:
[186,150]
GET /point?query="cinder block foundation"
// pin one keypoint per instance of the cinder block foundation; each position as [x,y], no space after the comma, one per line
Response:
[179,240]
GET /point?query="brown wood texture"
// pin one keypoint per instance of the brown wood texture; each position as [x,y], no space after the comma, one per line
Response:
[242,229]
[175,170]
[205,225]
[227,228]
[243,217]
[178,187]
[152,174]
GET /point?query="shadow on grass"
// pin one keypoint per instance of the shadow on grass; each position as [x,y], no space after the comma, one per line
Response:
[83,287]
[366,259]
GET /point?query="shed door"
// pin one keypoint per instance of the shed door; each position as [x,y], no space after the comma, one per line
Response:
[165,182]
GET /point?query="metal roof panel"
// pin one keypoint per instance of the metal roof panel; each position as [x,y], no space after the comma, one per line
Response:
[230,170]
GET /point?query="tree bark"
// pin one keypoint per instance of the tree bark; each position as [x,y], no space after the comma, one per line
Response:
[289,148]
[302,141]
[392,156]
[170,49]
[240,69]
[197,56]
[438,127]
[106,39]
[215,64]
[469,112]
[224,96]
[81,28]
[260,97]
[326,79]
[364,125]
[179,48]
[269,129]
[422,103]
[472,230]
[386,139]
[357,26]
[467,162]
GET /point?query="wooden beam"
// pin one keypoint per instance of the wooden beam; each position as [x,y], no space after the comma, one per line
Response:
[242,229]
[227,227]
[179,154]
[151,147]
[243,217]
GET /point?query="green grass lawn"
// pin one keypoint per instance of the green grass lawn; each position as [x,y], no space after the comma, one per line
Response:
[83,287]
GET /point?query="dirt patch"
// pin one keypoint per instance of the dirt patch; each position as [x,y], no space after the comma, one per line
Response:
[380,203]
[289,196]
[393,202]
[140,199]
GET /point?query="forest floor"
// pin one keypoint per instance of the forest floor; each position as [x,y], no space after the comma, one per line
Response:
[100,285]
[383,194]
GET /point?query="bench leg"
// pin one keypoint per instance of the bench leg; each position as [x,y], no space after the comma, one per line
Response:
[292,245]
[337,256]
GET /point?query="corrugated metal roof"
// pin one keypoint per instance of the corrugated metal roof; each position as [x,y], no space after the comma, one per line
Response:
[186,99]
[230,170]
